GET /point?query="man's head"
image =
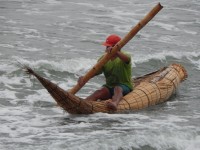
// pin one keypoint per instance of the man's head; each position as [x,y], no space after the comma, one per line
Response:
[111,40]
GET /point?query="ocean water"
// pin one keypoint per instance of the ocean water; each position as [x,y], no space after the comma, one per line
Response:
[61,40]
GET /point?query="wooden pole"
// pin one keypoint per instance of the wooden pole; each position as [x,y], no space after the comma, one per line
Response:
[91,73]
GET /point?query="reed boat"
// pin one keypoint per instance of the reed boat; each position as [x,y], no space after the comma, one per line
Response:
[151,89]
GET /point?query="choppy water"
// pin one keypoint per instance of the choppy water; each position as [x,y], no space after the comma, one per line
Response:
[62,40]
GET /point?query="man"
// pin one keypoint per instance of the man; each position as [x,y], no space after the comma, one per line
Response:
[117,72]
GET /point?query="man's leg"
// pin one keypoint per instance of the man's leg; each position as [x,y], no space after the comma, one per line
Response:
[102,94]
[118,94]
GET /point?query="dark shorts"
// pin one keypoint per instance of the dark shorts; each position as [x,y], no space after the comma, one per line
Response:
[125,89]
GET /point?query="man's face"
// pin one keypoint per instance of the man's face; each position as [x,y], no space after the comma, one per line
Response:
[108,49]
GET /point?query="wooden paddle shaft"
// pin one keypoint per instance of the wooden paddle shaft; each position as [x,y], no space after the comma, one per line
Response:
[92,72]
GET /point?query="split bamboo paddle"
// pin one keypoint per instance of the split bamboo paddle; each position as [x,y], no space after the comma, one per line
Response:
[91,73]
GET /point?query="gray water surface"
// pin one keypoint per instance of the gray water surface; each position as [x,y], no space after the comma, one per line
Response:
[61,40]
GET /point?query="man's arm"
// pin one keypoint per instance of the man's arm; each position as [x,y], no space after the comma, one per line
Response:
[123,57]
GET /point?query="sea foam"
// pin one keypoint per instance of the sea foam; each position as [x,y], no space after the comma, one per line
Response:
[81,65]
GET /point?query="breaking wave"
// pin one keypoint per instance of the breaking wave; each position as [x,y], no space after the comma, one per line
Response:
[81,65]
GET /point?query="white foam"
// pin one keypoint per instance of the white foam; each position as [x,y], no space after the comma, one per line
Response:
[11,22]
[190,32]
[18,125]
[193,144]
[68,46]
[30,49]
[8,68]
[33,11]
[24,31]
[64,17]
[196,63]
[166,39]
[8,94]
[52,2]
[15,30]
[78,65]
[40,95]
[83,4]
[7,46]
[122,28]
[140,58]
[156,135]
[13,80]
[172,40]
[173,118]
[165,26]
[186,10]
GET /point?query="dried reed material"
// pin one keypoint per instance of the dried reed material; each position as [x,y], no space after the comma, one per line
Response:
[150,89]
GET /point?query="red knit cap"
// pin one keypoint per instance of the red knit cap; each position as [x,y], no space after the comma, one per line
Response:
[112,40]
